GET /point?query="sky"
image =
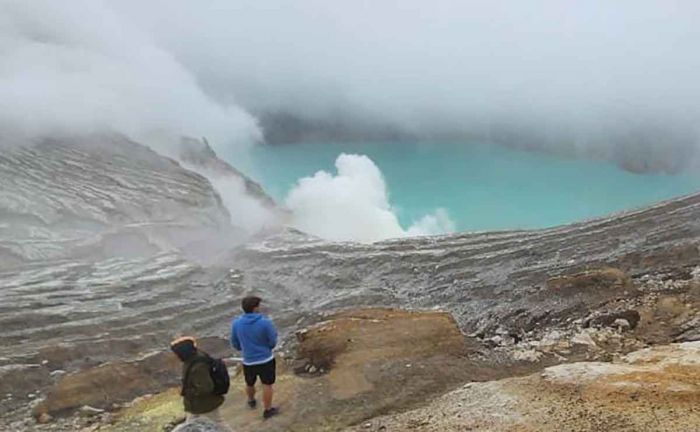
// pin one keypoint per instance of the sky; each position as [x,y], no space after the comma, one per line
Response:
[210,68]
[441,64]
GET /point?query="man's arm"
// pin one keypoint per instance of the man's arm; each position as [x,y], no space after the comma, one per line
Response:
[235,343]
[200,380]
[271,334]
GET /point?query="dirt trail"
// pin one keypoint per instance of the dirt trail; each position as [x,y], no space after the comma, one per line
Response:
[357,365]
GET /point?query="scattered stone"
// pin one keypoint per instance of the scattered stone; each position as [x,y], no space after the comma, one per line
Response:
[198,425]
[88,411]
[527,355]
[44,418]
[608,319]
[301,334]
[622,324]
[57,373]
[584,338]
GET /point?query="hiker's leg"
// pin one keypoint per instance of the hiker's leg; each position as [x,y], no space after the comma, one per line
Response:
[250,375]
[250,392]
[267,396]
[268,375]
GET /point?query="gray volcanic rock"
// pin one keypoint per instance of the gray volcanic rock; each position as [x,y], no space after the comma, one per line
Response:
[252,210]
[200,155]
[198,425]
[100,244]
[98,238]
[654,389]
[100,196]
[487,280]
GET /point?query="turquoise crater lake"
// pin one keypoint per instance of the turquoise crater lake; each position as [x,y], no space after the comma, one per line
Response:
[482,187]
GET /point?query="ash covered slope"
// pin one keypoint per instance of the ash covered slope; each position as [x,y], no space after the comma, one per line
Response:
[494,282]
[102,242]
[100,196]
[68,303]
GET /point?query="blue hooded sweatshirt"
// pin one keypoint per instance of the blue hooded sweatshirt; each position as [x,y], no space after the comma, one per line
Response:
[256,336]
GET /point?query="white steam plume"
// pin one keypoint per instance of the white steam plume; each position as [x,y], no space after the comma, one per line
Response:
[354,205]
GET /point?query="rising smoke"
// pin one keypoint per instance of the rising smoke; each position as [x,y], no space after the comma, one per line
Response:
[354,205]
[590,72]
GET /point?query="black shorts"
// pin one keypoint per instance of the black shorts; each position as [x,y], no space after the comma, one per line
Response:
[266,371]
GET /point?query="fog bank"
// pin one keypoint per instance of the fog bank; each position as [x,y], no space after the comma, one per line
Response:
[81,67]
[575,74]
[615,80]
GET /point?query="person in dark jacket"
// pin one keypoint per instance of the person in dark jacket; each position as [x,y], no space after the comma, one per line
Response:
[255,335]
[197,385]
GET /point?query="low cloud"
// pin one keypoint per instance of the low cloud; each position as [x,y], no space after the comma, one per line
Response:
[81,67]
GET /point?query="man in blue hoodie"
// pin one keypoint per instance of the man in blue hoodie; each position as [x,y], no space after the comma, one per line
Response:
[256,336]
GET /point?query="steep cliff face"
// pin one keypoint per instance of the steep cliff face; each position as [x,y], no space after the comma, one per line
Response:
[100,196]
[200,155]
[252,210]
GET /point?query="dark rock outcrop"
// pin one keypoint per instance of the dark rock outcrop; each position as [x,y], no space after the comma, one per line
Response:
[630,316]
[200,155]
[639,145]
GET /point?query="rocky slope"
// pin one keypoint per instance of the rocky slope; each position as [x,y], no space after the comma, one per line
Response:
[102,243]
[655,389]
[357,364]
[500,282]
[99,196]
[200,155]
[101,265]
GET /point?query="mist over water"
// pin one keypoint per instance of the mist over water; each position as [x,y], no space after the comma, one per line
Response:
[480,186]
[599,80]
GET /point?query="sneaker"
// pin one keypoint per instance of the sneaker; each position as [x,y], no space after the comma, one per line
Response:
[271,412]
[252,404]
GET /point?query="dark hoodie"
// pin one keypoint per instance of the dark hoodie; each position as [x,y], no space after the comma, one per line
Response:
[197,385]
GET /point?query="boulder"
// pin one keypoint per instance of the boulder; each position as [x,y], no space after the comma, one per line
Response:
[198,425]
